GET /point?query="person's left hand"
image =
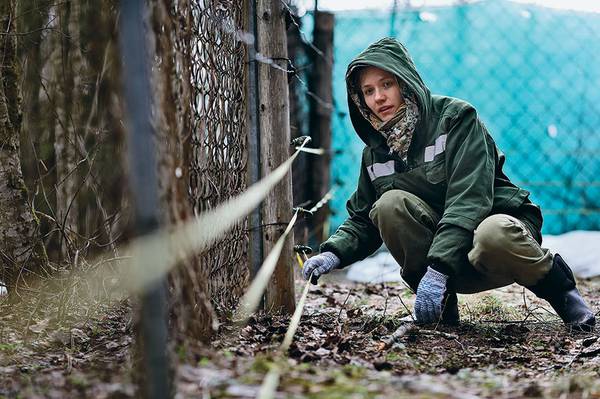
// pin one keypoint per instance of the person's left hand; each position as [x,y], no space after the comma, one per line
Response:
[430,297]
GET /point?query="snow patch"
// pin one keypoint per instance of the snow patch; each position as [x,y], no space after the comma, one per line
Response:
[580,249]
[381,267]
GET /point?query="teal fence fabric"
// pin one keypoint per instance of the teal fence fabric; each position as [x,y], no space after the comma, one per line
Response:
[533,74]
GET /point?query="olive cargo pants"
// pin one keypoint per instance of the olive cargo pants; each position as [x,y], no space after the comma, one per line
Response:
[503,252]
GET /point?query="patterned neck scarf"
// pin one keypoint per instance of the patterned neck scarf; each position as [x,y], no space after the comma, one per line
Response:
[398,131]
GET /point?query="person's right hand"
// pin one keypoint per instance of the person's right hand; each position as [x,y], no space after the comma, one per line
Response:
[429,304]
[319,265]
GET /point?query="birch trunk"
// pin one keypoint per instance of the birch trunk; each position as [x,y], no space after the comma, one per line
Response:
[22,254]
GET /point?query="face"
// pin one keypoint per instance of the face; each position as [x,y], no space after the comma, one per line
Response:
[381,92]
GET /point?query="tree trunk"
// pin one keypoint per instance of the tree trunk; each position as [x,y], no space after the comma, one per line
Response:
[22,253]
[73,123]
[298,125]
[320,118]
[67,70]
[34,123]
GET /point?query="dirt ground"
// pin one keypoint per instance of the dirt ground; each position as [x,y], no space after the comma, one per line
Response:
[508,345]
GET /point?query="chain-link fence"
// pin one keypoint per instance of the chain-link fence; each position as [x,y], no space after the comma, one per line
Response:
[531,72]
[219,138]
[200,80]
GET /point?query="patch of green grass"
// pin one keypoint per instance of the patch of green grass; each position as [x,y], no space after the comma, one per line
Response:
[204,362]
[394,357]
[347,382]
[95,330]
[262,364]
[78,381]
[9,348]
[353,371]
[360,302]
[491,307]
[181,352]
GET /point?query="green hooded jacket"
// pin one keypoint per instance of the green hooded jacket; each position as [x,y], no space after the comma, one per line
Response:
[453,165]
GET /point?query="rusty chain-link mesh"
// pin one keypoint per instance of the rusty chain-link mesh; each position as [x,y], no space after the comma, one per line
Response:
[532,74]
[218,142]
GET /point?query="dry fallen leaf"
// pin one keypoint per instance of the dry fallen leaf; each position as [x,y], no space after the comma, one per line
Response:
[39,327]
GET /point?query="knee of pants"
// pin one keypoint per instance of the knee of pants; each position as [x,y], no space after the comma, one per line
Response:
[396,206]
[388,203]
[495,234]
[504,248]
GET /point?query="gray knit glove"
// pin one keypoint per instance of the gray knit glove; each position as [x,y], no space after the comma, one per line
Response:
[430,297]
[319,265]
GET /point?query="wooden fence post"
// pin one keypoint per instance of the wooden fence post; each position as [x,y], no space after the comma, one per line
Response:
[320,117]
[274,125]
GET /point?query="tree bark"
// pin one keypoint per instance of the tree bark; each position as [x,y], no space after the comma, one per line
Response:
[22,253]
[72,125]
[320,118]
[30,49]
[274,122]
[67,70]
[298,124]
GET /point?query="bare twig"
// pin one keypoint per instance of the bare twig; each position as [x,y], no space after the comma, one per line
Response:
[577,355]
[440,333]
[343,307]
[406,307]
[396,335]
[386,300]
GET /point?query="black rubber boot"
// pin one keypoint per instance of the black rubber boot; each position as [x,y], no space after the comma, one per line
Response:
[450,314]
[558,288]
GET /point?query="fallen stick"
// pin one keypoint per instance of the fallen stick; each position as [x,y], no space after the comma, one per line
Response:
[396,335]
[440,333]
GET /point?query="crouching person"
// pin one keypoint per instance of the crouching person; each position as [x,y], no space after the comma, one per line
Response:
[432,188]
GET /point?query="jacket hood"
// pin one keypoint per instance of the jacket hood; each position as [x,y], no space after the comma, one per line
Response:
[390,55]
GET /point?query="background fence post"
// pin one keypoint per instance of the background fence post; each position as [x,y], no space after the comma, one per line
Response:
[274,125]
[320,117]
[254,219]
[298,119]
[144,185]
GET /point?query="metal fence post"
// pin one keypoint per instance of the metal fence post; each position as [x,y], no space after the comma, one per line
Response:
[144,184]
[255,219]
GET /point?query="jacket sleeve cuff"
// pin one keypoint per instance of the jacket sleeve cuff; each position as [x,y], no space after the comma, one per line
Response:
[328,246]
[349,251]
[443,269]
[450,247]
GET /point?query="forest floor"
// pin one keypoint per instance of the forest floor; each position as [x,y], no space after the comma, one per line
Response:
[508,345]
